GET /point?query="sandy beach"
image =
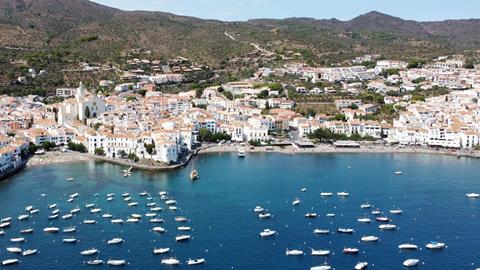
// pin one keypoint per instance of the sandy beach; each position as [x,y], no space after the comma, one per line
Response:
[56,157]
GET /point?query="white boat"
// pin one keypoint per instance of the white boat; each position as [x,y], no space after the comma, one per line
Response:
[4,220]
[184,237]
[369,238]
[408,246]
[69,229]
[396,211]
[311,215]
[34,211]
[264,215]
[107,216]
[70,179]
[67,216]
[398,173]
[181,219]
[29,208]
[133,204]
[411,262]
[170,202]
[170,261]
[296,201]
[293,252]
[376,212]
[69,240]
[350,250]
[115,241]
[157,251]
[70,200]
[95,262]
[4,225]
[142,194]
[303,189]
[330,215]
[162,193]
[29,252]
[132,220]
[241,152]
[159,230]
[364,220]
[75,210]
[89,252]
[17,240]
[89,221]
[258,209]
[387,227]
[267,233]
[173,208]
[435,245]
[89,205]
[137,216]
[156,220]
[116,262]
[326,194]
[26,231]
[150,214]
[2,233]
[156,209]
[51,206]
[74,195]
[383,219]
[184,228]
[51,230]
[345,230]
[126,194]
[151,204]
[95,210]
[365,206]
[320,231]
[196,261]
[14,249]
[23,217]
[321,267]
[343,194]
[319,252]
[10,262]
[361,266]
[472,195]
[109,199]
[56,211]
[117,221]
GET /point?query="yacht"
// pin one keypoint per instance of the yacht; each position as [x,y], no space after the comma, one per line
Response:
[115,241]
[258,209]
[264,215]
[51,230]
[89,221]
[117,221]
[343,194]
[9,262]
[396,211]
[14,249]
[69,240]
[296,201]
[26,231]
[319,252]
[170,261]
[89,252]
[345,230]
[29,252]
[196,261]
[410,262]
[184,228]
[311,215]
[17,240]
[267,233]
[350,250]
[364,220]
[241,152]
[361,266]
[320,231]
[157,251]
[22,217]
[435,245]
[159,230]
[69,229]
[472,195]
[184,237]
[116,262]
[387,227]
[326,194]
[370,238]
[294,252]
[408,246]
[95,262]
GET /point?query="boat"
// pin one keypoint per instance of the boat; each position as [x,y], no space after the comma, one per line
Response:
[330,215]
[4,220]
[95,210]
[297,201]
[293,252]
[67,216]
[116,262]
[326,194]
[173,208]
[133,204]
[2,233]
[350,250]
[156,220]
[343,194]
[264,215]
[69,229]
[4,225]
[319,252]
[110,194]
[132,220]
[321,267]
[170,202]
[303,189]
[411,262]
[184,228]
[361,266]
[369,238]
[311,215]
[126,194]
[396,211]
[408,246]
[117,221]
[107,216]
[89,221]
[156,209]
[162,193]
[34,211]
[29,208]
[26,231]
[159,230]
[398,173]
[383,219]
[150,214]
[137,216]
[89,252]
[17,240]
[23,217]
[74,195]
[151,204]
[258,209]
[345,230]
[157,251]
[184,237]
[14,249]
[267,233]
[110,199]
[241,152]
[472,195]
[69,240]
[376,212]
[89,205]
[56,211]
[70,200]
[10,262]
[51,230]
[70,179]
[435,245]
[387,227]
[75,210]
[365,206]
[95,262]
[51,206]
[364,220]
[320,231]
[29,252]
[181,219]
[115,241]
[170,261]
[194,173]
[196,261]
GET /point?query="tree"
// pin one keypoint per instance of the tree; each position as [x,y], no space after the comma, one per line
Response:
[99,152]
[78,147]
[133,157]
[87,112]
[48,146]
[150,148]
[263,94]
[204,135]
[198,93]
[32,148]
[254,143]
[228,95]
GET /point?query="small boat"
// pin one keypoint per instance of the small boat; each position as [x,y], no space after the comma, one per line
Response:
[326,194]
[184,228]
[196,261]
[345,230]
[159,230]
[350,250]
[303,189]
[321,267]
[115,241]
[398,173]
[17,240]
[70,179]
[184,237]
[116,262]
[133,204]
[319,252]
[34,211]
[127,199]
[156,220]
[126,194]
[194,175]
[383,219]
[23,217]
[156,209]
[365,206]
[26,231]
[51,206]
[56,211]
[75,210]
[472,195]
[89,252]
[369,238]
[107,216]
[29,208]
[4,220]
[29,252]
[435,245]
[361,266]
[181,219]
[170,202]
[241,152]
[137,216]
[89,205]
[264,215]
[364,220]
[296,201]
[89,221]
[69,229]
[376,212]
[14,249]
[387,227]
[110,194]
[151,204]
[143,194]
[396,211]
[74,195]
[10,262]
[258,209]
[67,216]
[410,262]
[267,233]
[170,261]
[132,220]
[2,233]
[110,199]
[51,230]
[95,210]
[330,215]
[173,208]
[150,214]
[95,262]
[320,231]
[117,221]
[343,194]
[157,251]
[294,252]
[162,193]
[69,240]
[4,225]
[311,215]
[408,246]
[70,200]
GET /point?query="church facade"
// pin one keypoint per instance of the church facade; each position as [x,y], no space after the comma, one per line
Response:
[83,106]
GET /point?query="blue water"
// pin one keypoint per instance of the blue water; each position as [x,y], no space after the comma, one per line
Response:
[431,192]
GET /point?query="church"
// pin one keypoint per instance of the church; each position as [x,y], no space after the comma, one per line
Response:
[83,106]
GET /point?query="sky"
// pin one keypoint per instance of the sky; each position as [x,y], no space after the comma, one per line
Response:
[239,10]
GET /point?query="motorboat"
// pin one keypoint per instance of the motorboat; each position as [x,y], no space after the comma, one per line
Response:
[107,216]
[4,225]
[23,217]
[10,262]
[133,204]
[116,262]
[137,216]
[56,211]
[2,233]
[95,262]
[411,262]
[126,194]
[89,252]
[51,230]
[345,230]
[157,251]
[95,210]
[383,219]
[241,152]
[435,245]
[408,246]
[319,252]
[294,252]
[69,229]
[26,231]
[398,173]
[150,214]
[194,175]
[4,220]
[264,215]
[29,252]
[89,221]
[51,206]
[365,206]
[196,261]
[376,212]
[132,220]
[17,240]
[170,261]
[110,199]
[361,266]
[34,211]
[89,205]
[396,211]
[143,194]
[184,228]
[75,210]
[159,230]
[311,215]
[115,241]
[320,231]
[156,209]
[350,250]
[267,233]
[69,240]
[117,221]
[70,179]
[326,194]
[172,208]
[74,195]
[321,267]
[343,194]
[184,237]
[364,220]
[181,219]
[258,209]
[170,202]
[67,216]
[387,227]
[14,249]
[303,189]
[472,195]
[29,208]
[156,220]
[369,238]
[296,201]
[151,204]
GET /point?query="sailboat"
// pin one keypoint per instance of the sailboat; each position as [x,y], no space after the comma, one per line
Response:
[194,173]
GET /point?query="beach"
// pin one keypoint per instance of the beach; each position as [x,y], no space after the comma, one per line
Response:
[56,157]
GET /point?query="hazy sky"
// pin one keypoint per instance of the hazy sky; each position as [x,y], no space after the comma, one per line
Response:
[231,10]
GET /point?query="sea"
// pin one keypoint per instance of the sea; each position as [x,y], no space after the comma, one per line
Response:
[225,230]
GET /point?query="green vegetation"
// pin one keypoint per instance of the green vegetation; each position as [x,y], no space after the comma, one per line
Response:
[48,146]
[78,147]
[131,99]
[133,157]
[205,135]
[99,152]
[325,135]
[254,143]
[32,148]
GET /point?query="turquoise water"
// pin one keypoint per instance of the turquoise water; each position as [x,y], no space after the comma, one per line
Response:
[431,193]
